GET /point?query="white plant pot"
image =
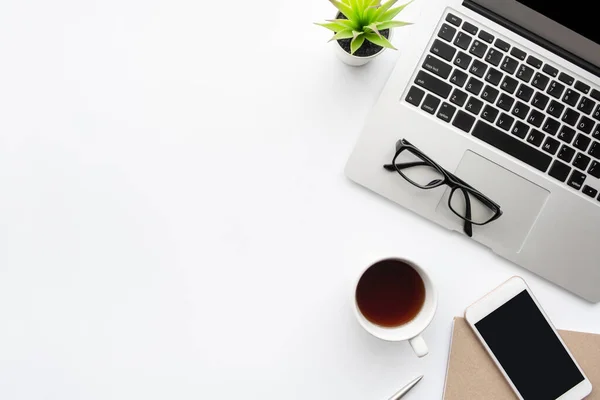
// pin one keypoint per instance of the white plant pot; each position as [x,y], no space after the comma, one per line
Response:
[353,60]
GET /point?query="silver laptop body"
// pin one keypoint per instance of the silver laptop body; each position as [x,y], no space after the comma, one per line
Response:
[525,131]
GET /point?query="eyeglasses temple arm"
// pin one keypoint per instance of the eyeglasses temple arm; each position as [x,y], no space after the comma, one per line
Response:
[391,167]
[468,227]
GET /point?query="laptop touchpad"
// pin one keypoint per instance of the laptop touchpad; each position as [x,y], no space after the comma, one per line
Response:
[521,202]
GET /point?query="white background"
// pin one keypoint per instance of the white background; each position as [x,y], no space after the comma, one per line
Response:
[174,218]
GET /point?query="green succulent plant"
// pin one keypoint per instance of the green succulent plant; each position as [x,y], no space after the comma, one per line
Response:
[365,21]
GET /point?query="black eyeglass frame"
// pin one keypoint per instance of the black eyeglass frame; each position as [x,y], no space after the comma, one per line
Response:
[454,182]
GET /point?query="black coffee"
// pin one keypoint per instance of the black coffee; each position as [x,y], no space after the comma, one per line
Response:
[390,293]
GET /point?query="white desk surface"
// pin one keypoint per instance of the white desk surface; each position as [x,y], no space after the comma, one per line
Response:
[174,218]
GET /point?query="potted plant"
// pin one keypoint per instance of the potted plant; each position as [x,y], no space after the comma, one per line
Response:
[363,28]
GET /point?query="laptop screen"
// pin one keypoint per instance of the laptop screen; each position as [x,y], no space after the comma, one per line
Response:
[571,25]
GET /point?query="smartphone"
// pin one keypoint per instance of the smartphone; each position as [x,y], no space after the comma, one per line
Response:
[525,346]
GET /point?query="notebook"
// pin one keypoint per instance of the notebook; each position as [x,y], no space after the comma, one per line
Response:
[472,374]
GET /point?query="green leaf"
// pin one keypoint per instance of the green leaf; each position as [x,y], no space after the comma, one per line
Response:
[354,4]
[333,26]
[345,34]
[344,9]
[384,7]
[391,24]
[373,28]
[370,14]
[359,39]
[345,22]
[380,41]
[358,8]
[391,14]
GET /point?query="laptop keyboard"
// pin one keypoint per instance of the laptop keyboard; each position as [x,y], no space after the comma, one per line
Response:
[512,100]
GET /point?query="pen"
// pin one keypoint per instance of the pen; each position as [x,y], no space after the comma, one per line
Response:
[406,389]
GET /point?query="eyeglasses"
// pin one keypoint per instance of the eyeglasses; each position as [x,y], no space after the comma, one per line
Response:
[472,206]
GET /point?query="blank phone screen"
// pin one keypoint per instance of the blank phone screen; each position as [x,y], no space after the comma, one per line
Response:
[528,349]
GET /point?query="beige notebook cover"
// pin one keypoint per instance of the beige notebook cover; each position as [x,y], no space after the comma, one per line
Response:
[473,375]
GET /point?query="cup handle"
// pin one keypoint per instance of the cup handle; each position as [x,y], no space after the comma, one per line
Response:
[419,346]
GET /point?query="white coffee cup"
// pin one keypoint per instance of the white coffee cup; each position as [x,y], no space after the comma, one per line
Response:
[412,330]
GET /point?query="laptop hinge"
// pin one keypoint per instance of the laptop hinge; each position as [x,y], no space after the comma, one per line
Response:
[540,41]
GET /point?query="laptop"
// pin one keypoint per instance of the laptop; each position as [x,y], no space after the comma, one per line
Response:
[505,95]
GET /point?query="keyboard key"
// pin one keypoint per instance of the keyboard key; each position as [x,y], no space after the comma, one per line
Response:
[540,81]
[509,65]
[582,87]
[463,121]
[534,62]
[493,76]
[512,146]
[474,105]
[446,112]
[458,97]
[595,170]
[576,180]
[458,78]
[520,130]
[520,110]
[551,145]
[551,126]
[582,142]
[443,50]
[550,70]
[566,153]
[595,150]
[433,84]
[566,134]
[566,78]
[555,109]
[536,118]
[581,161]
[474,86]
[597,113]
[494,57]
[559,171]
[447,32]
[505,121]
[570,117]
[595,94]
[535,137]
[437,66]
[472,29]
[463,40]
[524,73]
[453,19]
[502,45]
[590,191]
[430,104]
[505,102]
[478,68]
[485,36]
[414,96]
[478,48]
[555,89]
[489,94]
[463,60]
[520,54]
[540,101]
[586,105]
[509,84]
[571,97]
[489,113]
[525,92]
[596,132]
[585,125]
